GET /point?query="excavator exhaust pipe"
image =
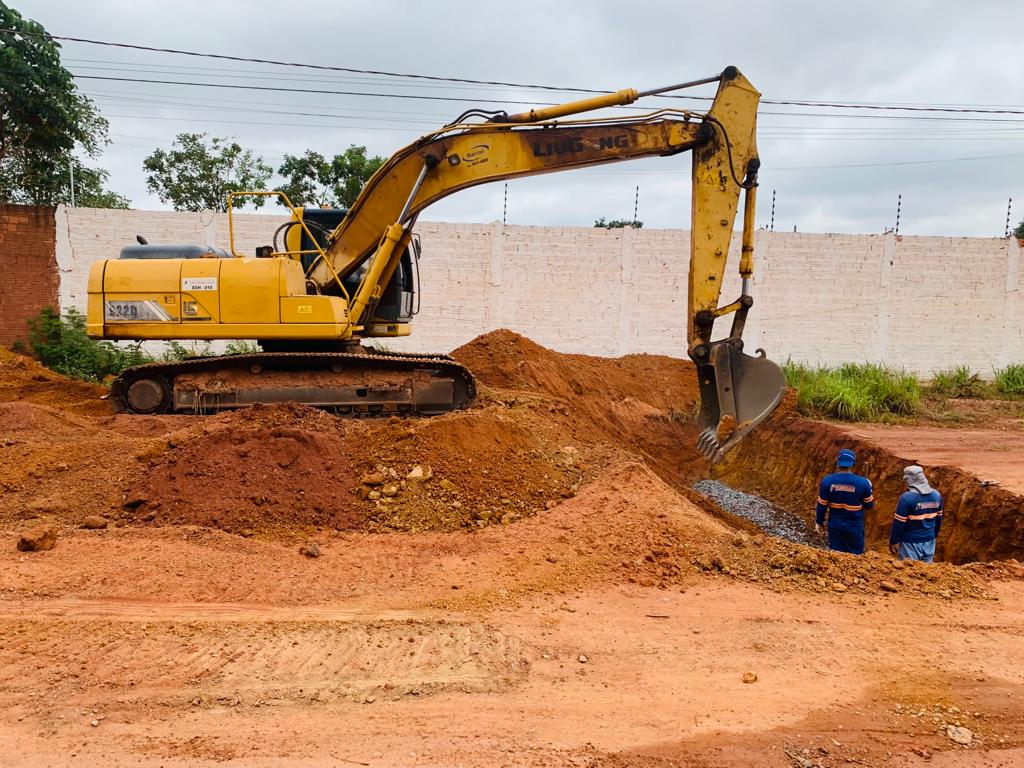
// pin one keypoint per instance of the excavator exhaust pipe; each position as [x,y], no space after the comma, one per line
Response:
[737,392]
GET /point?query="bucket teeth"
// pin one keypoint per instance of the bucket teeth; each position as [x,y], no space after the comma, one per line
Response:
[709,447]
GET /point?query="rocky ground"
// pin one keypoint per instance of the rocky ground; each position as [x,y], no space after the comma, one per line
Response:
[531,582]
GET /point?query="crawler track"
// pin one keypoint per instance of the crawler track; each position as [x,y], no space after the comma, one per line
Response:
[359,384]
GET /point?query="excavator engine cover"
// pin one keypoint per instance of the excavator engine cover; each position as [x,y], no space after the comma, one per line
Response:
[737,392]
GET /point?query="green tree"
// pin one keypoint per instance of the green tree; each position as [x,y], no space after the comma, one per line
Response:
[31,178]
[312,179]
[43,120]
[198,173]
[1019,231]
[618,224]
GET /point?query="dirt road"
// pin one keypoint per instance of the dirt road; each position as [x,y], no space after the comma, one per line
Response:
[623,675]
[991,454]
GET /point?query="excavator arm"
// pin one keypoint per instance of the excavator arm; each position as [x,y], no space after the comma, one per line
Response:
[737,390]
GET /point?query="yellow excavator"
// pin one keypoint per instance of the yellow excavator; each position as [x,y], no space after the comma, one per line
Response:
[334,277]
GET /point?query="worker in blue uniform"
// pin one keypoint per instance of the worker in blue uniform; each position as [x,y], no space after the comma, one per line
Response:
[843,497]
[918,518]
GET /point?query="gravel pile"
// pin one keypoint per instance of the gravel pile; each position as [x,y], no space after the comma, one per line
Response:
[765,515]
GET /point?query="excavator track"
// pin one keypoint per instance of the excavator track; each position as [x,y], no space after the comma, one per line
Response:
[357,384]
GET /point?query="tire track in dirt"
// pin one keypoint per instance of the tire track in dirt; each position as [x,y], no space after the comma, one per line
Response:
[205,661]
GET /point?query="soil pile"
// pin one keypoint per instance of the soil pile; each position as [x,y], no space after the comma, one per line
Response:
[275,466]
[24,379]
[643,403]
[494,464]
[250,470]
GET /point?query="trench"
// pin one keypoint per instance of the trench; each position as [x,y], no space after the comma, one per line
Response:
[769,518]
[783,460]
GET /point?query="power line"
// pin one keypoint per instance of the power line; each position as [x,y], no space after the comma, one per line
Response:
[315,90]
[532,86]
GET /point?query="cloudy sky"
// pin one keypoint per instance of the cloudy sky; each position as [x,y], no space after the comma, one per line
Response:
[833,170]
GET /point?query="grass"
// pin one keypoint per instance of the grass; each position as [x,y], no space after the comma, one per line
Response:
[959,382]
[853,392]
[1010,380]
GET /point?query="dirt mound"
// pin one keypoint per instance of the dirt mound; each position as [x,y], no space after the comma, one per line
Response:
[26,380]
[467,469]
[26,419]
[506,360]
[249,470]
[643,403]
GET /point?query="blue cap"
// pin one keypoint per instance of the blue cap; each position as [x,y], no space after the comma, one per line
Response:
[846,458]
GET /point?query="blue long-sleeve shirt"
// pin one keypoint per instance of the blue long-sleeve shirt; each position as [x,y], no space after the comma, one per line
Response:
[918,518]
[844,496]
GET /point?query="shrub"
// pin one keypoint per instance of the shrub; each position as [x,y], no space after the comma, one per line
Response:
[853,392]
[241,347]
[960,381]
[1010,380]
[61,344]
[176,351]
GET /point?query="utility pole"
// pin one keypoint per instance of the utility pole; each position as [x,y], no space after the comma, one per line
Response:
[636,204]
[772,227]
[1009,208]
[504,213]
[71,170]
[899,205]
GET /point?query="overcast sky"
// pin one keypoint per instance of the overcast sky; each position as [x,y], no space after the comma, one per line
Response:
[830,173]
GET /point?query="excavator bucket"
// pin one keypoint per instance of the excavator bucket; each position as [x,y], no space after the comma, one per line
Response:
[737,392]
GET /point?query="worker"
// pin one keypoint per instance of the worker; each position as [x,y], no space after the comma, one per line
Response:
[844,496]
[918,518]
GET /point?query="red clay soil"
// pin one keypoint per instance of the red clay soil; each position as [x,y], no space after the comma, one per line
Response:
[544,595]
[643,402]
[25,380]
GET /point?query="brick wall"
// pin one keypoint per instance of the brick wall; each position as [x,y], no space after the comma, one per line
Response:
[923,303]
[28,273]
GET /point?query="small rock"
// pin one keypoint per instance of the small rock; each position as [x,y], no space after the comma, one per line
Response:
[839,587]
[94,523]
[390,490]
[582,659]
[960,735]
[420,473]
[369,699]
[372,479]
[749,677]
[95,723]
[310,549]
[38,539]
[888,586]
[373,495]
[777,561]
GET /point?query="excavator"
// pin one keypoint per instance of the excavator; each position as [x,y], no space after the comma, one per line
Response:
[334,277]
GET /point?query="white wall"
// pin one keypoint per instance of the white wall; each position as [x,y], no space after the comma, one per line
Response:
[923,303]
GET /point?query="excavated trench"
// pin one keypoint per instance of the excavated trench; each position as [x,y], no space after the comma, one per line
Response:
[783,460]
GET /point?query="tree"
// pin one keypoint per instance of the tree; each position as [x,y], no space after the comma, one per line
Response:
[1019,231]
[198,173]
[312,179]
[31,178]
[618,224]
[43,120]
